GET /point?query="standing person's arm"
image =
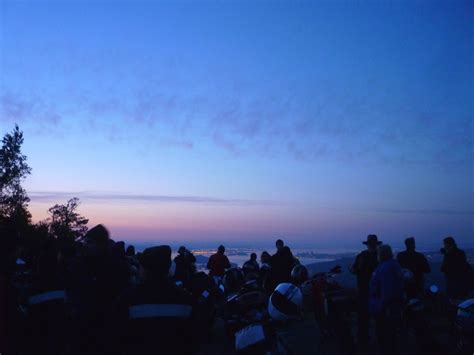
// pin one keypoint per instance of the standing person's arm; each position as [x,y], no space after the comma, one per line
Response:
[445,264]
[400,259]
[226,262]
[355,268]
[210,262]
[375,302]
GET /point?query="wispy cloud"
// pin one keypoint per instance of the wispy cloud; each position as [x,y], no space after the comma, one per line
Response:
[402,211]
[21,108]
[61,196]
[424,211]
[305,126]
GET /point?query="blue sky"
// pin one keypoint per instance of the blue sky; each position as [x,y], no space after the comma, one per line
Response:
[242,121]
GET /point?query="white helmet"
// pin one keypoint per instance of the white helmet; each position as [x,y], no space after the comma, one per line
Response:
[285,302]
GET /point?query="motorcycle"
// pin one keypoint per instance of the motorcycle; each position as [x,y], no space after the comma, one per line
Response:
[464,327]
[333,305]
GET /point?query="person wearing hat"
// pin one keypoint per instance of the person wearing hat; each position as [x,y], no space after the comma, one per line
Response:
[159,316]
[185,266]
[364,265]
[458,272]
[417,264]
[8,246]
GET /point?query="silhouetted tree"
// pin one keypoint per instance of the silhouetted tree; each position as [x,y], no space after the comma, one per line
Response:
[65,222]
[13,170]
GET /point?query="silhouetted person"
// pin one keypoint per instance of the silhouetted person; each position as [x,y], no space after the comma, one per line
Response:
[265,259]
[386,297]
[457,270]
[7,261]
[251,266]
[282,263]
[265,272]
[364,266]
[185,266]
[203,291]
[417,264]
[217,264]
[158,315]
[130,251]
[99,274]
[46,320]
[120,246]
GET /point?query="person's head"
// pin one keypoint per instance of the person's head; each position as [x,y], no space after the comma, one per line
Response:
[98,235]
[384,252]
[120,247]
[182,250]
[221,249]
[372,242]
[449,243]
[410,244]
[130,250]
[155,261]
[265,257]
[279,244]
[253,256]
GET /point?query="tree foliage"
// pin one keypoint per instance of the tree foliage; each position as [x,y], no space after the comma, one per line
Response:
[13,170]
[65,222]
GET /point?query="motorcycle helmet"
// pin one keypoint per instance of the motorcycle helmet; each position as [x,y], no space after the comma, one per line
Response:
[299,274]
[285,302]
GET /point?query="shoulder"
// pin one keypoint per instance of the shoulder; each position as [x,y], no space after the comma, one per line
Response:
[420,255]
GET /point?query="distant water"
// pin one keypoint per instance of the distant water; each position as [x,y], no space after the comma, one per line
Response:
[238,256]
[319,259]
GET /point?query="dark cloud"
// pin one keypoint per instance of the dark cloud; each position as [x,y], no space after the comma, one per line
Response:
[14,108]
[58,196]
[23,109]
[308,126]
[425,211]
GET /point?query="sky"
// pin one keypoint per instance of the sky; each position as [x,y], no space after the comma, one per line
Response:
[239,122]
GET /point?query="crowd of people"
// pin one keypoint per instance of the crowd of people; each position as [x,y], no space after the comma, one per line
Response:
[383,283]
[103,298]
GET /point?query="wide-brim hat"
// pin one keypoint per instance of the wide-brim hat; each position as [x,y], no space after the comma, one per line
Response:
[372,240]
